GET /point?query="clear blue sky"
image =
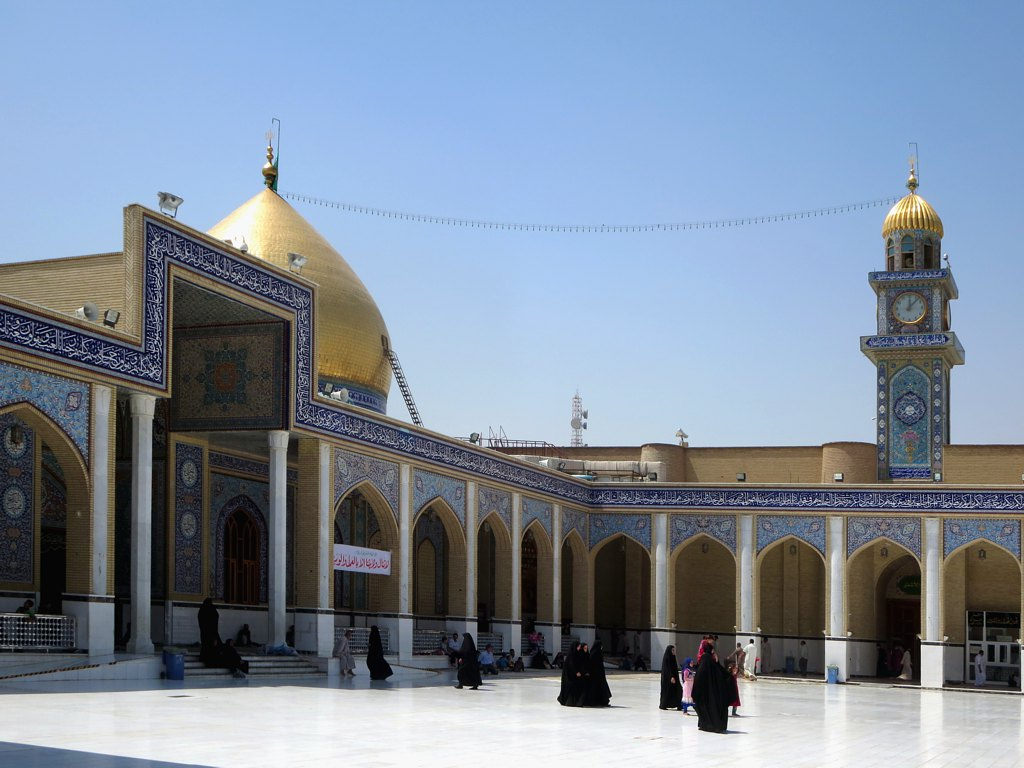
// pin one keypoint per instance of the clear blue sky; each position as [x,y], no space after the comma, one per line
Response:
[576,112]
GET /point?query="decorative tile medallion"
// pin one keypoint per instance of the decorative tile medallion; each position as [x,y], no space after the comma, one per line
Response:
[17,500]
[534,509]
[910,424]
[966,530]
[65,401]
[228,493]
[772,528]
[905,531]
[352,469]
[719,527]
[188,518]
[428,486]
[492,501]
[574,520]
[636,526]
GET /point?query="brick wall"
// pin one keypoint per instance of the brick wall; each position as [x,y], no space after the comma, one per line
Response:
[703,588]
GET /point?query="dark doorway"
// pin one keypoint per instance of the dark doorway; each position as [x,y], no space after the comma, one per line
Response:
[241,559]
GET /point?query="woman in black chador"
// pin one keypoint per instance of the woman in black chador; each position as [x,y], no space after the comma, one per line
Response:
[209,635]
[712,693]
[671,686]
[469,666]
[573,682]
[375,661]
[598,693]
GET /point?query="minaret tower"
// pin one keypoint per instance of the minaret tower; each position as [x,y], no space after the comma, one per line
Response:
[914,349]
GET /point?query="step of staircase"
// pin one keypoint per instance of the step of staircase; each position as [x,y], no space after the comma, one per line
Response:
[259,666]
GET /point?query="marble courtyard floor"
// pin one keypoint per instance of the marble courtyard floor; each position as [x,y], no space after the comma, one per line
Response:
[419,719]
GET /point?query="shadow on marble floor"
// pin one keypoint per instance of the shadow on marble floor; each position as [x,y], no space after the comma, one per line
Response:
[29,756]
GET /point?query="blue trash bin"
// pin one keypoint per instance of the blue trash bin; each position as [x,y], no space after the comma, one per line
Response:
[174,665]
[790,665]
[832,674]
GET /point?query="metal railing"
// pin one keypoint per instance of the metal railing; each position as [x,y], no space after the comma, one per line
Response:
[19,631]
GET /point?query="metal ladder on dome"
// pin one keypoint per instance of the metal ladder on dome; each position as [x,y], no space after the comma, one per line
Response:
[403,385]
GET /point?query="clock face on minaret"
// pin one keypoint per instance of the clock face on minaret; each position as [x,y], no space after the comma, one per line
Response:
[914,349]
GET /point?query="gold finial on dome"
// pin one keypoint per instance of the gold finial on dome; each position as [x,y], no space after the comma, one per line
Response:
[912,212]
[912,179]
[269,169]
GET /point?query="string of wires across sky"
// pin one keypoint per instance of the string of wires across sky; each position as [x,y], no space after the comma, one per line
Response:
[458,221]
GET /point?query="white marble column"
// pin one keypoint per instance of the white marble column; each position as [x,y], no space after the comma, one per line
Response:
[836,646]
[745,541]
[516,631]
[405,617]
[932,648]
[325,541]
[661,635]
[142,410]
[278,546]
[472,513]
[554,637]
[94,611]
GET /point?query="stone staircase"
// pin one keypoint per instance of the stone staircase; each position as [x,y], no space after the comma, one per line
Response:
[259,666]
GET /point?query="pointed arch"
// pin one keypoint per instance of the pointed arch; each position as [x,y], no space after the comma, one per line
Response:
[451,562]
[576,604]
[621,568]
[241,501]
[381,593]
[544,563]
[702,587]
[493,571]
[973,582]
[790,593]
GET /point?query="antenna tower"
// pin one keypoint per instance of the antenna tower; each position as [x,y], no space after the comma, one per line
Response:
[577,422]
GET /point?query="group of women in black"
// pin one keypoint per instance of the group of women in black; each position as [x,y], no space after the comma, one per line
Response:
[584,683]
[714,689]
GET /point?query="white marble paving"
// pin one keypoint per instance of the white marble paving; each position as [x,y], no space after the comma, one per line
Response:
[512,721]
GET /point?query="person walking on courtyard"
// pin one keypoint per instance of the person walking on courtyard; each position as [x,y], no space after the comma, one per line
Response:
[469,664]
[906,666]
[209,633]
[751,660]
[979,667]
[343,653]
[734,674]
[803,657]
[686,673]
[671,688]
[598,693]
[573,684]
[766,657]
[712,692]
[736,657]
[375,661]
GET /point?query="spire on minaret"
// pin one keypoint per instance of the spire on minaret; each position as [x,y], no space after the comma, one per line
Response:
[270,167]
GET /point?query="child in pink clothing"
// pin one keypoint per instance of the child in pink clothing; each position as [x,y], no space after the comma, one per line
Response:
[687,675]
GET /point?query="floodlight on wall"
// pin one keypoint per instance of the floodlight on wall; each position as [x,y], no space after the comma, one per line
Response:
[88,311]
[849,633]
[110,318]
[982,554]
[682,437]
[561,466]
[16,436]
[704,547]
[474,438]
[937,477]
[169,203]
[946,637]
[238,241]
[884,552]
[296,261]
[653,477]
[741,477]
[792,549]
[328,388]
[837,477]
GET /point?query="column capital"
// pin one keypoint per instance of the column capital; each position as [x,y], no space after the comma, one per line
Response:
[277,438]
[141,404]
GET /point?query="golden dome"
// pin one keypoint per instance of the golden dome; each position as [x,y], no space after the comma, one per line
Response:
[349,326]
[912,212]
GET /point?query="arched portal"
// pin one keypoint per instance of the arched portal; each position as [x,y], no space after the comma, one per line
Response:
[241,558]
[493,573]
[439,571]
[575,583]
[791,605]
[53,532]
[981,607]
[535,577]
[362,518]
[703,590]
[883,598]
[622,591]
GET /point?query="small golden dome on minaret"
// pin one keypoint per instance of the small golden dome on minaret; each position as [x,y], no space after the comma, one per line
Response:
[912,212]
[269,169]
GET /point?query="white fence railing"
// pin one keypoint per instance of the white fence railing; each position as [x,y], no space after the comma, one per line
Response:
[19,631]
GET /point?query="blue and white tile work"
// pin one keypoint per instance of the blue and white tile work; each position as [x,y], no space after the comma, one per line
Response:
[492,501]
[66,402]
[428,486]
[228,493]
[188,518]
[246,465]
[966,530]
[719,527]
[17,497]
[772,528]
[535,509]
[351,469]
[574,520]
[905,531]
[938,409]
[910,424]
[604,525]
